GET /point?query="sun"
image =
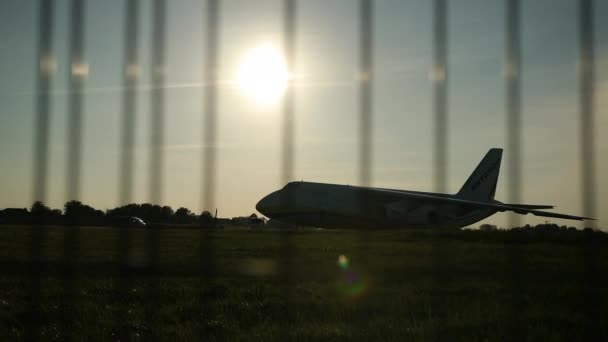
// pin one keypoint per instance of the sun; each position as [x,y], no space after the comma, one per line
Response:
[263,74]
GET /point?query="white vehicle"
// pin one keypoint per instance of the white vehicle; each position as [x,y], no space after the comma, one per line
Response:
[345,206]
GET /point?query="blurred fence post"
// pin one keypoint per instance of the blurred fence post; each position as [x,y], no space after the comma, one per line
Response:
[77,72]
[45,68]
[512,74]
[591,297]
[366,76]
[211,52]
[130,75]
[586,71]
[287,252]
[439,78]
[157,149]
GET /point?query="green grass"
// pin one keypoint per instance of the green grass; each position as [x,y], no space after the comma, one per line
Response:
[399,285]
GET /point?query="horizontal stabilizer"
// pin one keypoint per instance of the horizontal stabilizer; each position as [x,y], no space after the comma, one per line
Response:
[550,214]
[531,206]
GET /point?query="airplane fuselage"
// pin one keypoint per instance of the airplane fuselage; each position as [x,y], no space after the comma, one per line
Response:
[345,206]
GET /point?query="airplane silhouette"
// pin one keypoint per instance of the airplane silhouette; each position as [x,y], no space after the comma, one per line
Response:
[346,206]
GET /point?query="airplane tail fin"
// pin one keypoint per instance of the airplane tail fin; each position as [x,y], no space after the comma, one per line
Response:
[481,184]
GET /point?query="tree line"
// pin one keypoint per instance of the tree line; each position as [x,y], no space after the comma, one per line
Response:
[76,212]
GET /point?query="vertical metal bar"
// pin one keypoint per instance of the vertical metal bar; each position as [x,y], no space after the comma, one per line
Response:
[366,77]
[46,66]
[363,201]
[157,109]
[439,76]
[45,70]
[130,73]
[365,91]
[157,101]
[289,31]
[210,77]
[78,71]
[287,166]
[512,74]
[586,98]
[586,69]
[209,151]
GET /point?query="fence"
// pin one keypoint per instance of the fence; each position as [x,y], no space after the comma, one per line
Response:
[212,48]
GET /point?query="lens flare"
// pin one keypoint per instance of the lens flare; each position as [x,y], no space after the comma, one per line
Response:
[351,284]
[343,262]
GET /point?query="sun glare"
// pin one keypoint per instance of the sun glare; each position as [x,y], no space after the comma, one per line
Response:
[263,74]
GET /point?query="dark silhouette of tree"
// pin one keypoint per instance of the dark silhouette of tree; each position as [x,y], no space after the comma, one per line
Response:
[39,208]
[15,216]
[126,210]
[156,214]
[149,212]
[184,216]
[207,220]
[56,217]
[166,213]
[182,212]
[75,212]
[41,214]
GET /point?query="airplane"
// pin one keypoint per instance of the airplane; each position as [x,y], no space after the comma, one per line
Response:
[344,206]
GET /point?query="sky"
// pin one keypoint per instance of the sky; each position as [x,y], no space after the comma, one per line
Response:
[326,97]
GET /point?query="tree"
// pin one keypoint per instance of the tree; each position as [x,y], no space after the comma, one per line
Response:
[184,215]
[40,214]
[166,213]
[207,220]
[184,212]
[38,208]
[75,212]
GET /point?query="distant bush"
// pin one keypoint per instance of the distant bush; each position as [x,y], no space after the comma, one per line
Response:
[206,220]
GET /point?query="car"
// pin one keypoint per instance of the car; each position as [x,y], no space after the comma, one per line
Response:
[128,221]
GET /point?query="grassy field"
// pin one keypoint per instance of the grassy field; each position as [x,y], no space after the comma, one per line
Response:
[308,285]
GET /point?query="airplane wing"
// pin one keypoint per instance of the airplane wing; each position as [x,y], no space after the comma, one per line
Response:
[522,209]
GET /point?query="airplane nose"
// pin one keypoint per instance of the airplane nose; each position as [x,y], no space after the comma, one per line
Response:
[272,204]
[264,205]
